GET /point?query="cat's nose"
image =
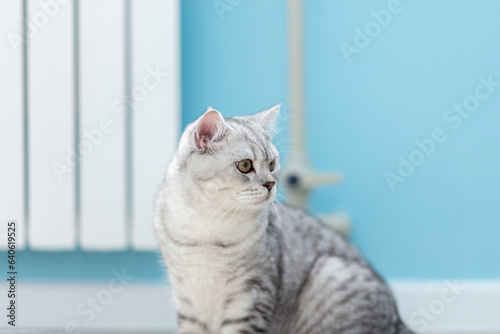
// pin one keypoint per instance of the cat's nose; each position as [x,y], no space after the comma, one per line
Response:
[269,185]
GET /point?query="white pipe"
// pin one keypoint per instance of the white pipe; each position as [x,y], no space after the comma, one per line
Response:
[299,177]
[296,79]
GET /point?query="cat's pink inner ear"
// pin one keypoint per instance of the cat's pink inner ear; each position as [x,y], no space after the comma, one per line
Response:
[209,128]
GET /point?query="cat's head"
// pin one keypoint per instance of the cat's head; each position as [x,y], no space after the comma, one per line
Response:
[228,160]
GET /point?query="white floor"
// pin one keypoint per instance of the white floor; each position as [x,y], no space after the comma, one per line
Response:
[436,307]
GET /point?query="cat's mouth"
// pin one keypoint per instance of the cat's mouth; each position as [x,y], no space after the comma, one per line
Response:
[268,198]
[270,195]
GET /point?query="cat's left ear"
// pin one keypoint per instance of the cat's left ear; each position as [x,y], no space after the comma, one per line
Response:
[267,118]
[210,128]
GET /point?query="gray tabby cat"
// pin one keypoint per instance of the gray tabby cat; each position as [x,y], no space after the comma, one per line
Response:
[239,265]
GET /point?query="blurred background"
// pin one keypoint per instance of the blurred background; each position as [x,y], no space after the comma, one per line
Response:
[401,97]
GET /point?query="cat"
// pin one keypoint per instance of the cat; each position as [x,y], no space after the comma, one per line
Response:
[238,264]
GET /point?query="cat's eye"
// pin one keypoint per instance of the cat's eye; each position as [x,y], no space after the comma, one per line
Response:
[272,164]
[244,165]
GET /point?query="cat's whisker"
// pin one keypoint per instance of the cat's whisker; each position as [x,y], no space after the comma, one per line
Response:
[284,210]
[286,151]
[290,140]
[282,206]
[280,196]
[228,199]
[234,204]
[236,211]
[242,208]
[276,209]
[222,206]
[286,125]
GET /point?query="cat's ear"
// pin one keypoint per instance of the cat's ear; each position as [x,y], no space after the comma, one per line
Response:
[210,128]
[267,118]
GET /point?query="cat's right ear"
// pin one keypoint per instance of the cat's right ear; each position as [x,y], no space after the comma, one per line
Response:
[210,127]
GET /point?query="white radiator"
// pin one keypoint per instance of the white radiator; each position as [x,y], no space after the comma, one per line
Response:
[89,118]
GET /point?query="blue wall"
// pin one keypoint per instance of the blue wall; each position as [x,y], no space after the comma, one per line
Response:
[367,108]
[364,110]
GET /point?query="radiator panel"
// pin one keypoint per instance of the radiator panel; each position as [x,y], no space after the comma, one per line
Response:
[50,131]
[155,120]
[103,192]
[11,123]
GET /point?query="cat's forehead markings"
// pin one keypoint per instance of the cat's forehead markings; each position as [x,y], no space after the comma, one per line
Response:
[257,156]
[253,137]
[253,153]
[263,150]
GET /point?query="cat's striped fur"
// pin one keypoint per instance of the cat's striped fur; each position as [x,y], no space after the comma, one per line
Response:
[239,265]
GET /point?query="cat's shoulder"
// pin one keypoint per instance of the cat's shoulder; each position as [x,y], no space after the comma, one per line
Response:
[296,226]
[289,217]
